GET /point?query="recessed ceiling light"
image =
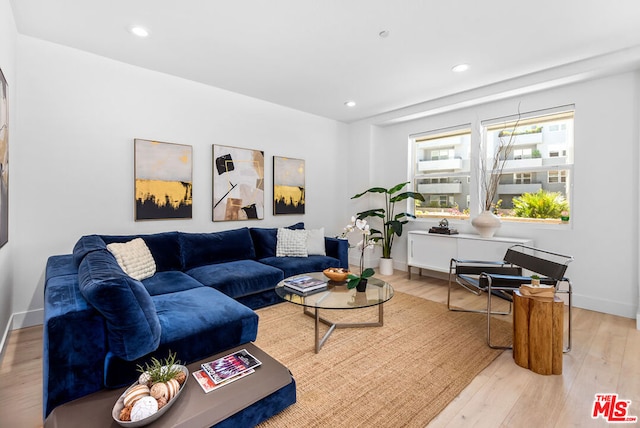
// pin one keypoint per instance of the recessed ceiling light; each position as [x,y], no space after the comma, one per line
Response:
[384,33]
[139,31]
[350,103]
[460,68]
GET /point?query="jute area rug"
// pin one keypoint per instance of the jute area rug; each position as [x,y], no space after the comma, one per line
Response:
[401,374]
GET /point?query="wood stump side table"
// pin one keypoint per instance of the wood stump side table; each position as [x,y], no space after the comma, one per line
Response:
[538,333]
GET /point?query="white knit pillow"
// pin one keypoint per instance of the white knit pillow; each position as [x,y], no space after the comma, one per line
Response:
[134,258]
[291,243]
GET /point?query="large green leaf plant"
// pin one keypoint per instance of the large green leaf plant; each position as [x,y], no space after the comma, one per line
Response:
[392,222]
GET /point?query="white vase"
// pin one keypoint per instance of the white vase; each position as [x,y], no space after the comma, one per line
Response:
[486,223]
[386,267]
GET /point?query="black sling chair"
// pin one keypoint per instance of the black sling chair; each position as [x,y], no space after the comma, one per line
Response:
[500,278]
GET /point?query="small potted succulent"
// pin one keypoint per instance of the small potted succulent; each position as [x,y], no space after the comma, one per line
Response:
[535,281]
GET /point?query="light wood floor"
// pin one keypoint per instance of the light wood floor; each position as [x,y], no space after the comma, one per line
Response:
[605,359]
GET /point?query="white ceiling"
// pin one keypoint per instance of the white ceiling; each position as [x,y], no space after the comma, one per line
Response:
[313,55]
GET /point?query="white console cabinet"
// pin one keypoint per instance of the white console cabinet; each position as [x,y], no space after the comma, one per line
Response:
[434,251]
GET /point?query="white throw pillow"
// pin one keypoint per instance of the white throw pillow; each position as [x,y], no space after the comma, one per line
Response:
[291,243]
[134,258]
[315,242]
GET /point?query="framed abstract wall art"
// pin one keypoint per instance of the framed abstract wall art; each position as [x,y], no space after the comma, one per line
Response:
[163,180]
[4,160]
[238,183]
[288,186]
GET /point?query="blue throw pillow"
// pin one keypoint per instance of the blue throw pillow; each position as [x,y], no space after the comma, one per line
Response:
[133,326]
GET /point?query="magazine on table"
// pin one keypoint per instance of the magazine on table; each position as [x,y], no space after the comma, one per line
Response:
[305,283]
[230,365]
[207,383]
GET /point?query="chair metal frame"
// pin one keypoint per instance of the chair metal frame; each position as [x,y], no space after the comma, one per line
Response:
[500,278]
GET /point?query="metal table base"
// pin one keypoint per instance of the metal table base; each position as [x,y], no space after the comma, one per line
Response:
[333,326]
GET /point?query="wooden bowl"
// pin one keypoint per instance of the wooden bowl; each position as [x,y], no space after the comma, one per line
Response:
[336,274]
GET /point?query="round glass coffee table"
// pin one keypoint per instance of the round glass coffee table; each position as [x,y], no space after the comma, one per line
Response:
[336,295]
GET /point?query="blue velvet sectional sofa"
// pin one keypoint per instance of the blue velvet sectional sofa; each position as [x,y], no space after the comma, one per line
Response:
[101,323]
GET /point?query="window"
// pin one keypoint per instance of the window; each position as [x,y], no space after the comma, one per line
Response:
[555,151]
[522,178]
[442,154]
[536,159]
[441,165]
[557,176]
[522,153]
[537,148]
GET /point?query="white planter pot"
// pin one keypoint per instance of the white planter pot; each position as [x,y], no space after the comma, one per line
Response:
[486,223]
[386,267]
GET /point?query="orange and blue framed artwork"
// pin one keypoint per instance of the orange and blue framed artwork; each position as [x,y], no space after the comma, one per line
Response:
[238,183]
[163,180]
[288,185]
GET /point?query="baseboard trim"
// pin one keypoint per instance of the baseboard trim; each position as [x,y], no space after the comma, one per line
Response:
[605,306]
[27,319]
[20,320]
[5,336]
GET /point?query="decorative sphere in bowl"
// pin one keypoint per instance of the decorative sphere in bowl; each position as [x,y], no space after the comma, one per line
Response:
[336,274]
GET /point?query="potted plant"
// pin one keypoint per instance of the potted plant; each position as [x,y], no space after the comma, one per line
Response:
[392,222]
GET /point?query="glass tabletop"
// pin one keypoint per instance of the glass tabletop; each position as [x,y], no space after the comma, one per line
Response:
[336,295]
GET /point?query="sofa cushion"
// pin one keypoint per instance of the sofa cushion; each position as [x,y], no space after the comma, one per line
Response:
[292,243]
[195,324]
[164,247]
[296,265]
[200,249]
[132,322]
[134,258]
[265,239]
[169,282]
[239,278]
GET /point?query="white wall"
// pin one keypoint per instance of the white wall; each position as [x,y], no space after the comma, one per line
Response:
[8,35]
[73,174]
[604,233]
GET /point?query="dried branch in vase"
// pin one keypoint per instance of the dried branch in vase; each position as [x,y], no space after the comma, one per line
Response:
[491,175]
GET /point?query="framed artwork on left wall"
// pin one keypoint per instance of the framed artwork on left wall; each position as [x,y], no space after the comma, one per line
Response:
[4,160]
[163,180]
